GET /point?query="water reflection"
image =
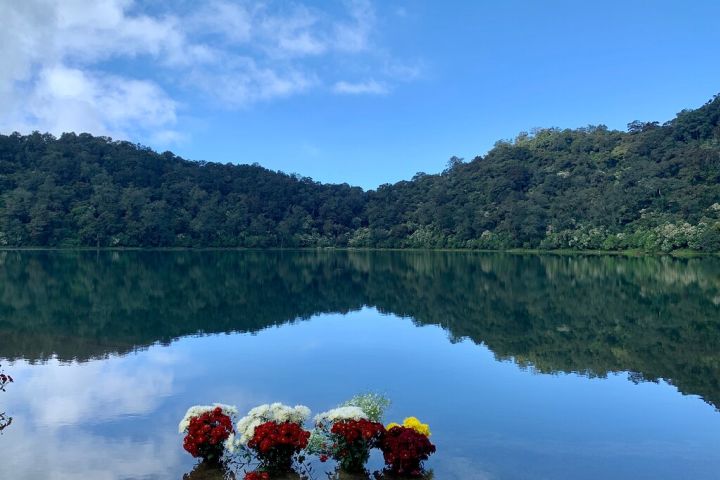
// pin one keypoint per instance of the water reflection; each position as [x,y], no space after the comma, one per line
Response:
[203,471]
[69,419]
[658,318]
[55,396]
[490,419]
[73,453]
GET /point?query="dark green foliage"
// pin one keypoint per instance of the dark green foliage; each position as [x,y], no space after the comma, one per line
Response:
[80,190]
[655,187]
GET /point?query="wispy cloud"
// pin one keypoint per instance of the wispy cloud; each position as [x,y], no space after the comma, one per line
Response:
[242,81]
[126,68]
[369,87]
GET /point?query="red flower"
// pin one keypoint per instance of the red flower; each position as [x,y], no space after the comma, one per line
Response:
[276,443]
[404,450]
[352,441]
[352,431]
[206,434]
[323,458]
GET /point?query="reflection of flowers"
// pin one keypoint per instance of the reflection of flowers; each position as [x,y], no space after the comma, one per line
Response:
[204,471]
[424,475]
[256,475]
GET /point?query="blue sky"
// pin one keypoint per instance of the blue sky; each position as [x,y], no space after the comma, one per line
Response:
[365,92]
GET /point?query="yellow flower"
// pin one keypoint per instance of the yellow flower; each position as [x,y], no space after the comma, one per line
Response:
[391,425]
[415,424]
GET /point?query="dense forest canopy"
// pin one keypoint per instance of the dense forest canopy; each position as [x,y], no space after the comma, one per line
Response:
[655,187]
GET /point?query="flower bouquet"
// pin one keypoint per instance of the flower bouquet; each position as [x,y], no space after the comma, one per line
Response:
[352,441]
[405,447]
[208,431]
[349,432]
[274,433]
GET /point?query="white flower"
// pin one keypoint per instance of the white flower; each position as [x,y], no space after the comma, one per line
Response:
[230,443]
[341,413]
[246,428]
[373,404]
[275,412]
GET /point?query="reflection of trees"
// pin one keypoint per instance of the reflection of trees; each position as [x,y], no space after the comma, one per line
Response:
[656,317]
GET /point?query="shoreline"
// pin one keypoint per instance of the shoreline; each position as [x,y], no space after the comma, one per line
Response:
[512,251]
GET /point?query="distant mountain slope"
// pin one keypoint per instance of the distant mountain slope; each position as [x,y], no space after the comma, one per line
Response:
[85,190]
[588,188]
[655,187]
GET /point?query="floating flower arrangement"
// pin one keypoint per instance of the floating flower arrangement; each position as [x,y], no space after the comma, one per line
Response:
[209,431]
[405,447]
[271,439]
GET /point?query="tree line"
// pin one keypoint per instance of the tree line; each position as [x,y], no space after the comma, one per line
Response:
[655,187]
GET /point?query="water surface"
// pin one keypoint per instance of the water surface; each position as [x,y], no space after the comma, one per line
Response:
[526,367]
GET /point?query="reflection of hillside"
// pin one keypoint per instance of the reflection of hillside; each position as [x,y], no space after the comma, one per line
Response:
[656,317]
[83,305]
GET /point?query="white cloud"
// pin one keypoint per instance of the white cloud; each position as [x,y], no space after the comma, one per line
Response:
[299,33]
[47,77]
[295,30]
[229,20]
[124,68]
[242,81]
[361,88]
[68,99]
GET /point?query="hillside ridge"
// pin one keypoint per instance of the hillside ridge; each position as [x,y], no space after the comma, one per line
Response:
[655,187]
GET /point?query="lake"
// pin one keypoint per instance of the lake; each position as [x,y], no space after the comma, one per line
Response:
[525,367]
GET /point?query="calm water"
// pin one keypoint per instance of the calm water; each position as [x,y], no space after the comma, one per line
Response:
[525,367]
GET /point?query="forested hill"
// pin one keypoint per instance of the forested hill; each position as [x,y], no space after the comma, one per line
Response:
[654,187]
[85,190]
